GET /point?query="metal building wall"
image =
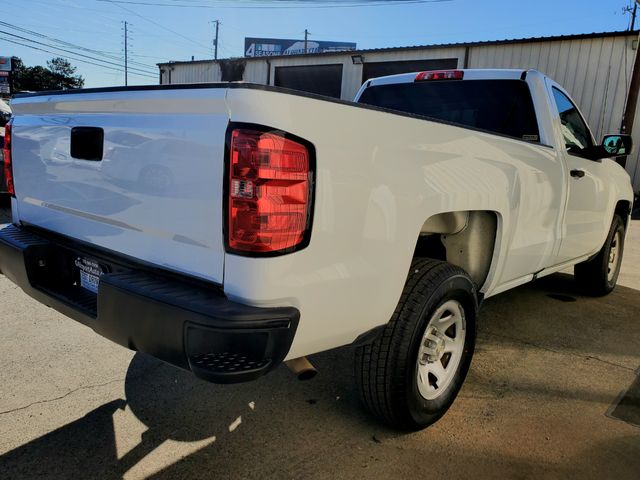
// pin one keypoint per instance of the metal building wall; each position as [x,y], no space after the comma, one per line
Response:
[345,60]
[633,161]
[190,72]
[255,71]
[351,73]
[595,70]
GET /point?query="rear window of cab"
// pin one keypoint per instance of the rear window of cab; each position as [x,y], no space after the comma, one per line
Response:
[504,107]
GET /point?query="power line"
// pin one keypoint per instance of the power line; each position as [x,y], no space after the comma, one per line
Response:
[63,42]
[156,57]
[69,51]
[364,3]
[70,45]
[146,19]
[59,49]
[68,57]
[224,48]
[66,28]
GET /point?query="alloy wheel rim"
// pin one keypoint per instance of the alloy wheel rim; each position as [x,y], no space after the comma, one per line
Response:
[441,350]
[614,256]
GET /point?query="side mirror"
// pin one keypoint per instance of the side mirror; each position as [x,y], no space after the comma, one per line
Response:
[617,145]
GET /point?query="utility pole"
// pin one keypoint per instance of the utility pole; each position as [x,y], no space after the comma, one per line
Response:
[215,41]
[306,38]
[126,55]
[633,11]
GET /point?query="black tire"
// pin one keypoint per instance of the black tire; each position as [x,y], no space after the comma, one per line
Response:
[386,369]
[593,276]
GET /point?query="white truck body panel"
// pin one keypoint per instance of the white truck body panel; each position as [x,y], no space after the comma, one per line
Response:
[380,176]
[378,181]
[589,200]
[175,137]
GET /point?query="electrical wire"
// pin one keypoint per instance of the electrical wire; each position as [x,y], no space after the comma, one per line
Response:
[109,54]
[153,22]
[76,59]
[72,52]
[70,45]
[365,3]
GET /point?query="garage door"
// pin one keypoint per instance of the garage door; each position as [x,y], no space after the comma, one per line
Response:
[320,79]
[382,69]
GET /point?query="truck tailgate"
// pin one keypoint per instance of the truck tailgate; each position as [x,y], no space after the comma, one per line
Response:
[156,193]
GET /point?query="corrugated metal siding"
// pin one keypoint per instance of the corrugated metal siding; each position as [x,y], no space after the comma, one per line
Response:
[353,73]
[592,70]
[195,72]
[256,72]
[596,71]
[344,60]
[256,69]
[633,161]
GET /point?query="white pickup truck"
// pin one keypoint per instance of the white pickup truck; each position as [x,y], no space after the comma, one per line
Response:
[226,228]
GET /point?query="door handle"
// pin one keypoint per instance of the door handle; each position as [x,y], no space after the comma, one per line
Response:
[577,173]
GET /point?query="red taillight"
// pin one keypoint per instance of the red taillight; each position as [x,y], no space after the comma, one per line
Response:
[440,75]
[8,166]
[269,192]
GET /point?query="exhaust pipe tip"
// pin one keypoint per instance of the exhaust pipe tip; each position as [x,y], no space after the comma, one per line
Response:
[302,368]
[307,374]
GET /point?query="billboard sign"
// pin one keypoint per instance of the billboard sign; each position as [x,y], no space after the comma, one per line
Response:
[271,47]
[5,85]
[5,64]
[5,76]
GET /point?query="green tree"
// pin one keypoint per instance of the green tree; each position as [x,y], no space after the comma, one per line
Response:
[59,74]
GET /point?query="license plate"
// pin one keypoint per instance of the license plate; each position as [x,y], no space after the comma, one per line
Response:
[90,272]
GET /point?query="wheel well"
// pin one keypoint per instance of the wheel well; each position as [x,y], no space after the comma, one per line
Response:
[463,238]
[623,208]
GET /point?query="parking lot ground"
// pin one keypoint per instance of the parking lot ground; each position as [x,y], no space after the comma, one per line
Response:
[552,393]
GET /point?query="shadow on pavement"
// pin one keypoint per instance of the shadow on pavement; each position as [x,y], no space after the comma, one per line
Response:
[174,405]
[317,429]
[552,313]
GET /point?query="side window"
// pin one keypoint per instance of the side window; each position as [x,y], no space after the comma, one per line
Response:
[574,129]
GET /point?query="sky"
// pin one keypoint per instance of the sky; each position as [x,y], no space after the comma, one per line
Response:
[164,30]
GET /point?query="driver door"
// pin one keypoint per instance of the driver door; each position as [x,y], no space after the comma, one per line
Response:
[585,223]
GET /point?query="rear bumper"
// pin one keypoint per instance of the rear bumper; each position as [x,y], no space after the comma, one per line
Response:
[181,321]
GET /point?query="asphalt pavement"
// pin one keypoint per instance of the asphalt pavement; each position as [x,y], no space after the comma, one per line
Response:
[553,392]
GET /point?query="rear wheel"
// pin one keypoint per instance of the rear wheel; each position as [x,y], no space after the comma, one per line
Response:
[410,375]
[599,275]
